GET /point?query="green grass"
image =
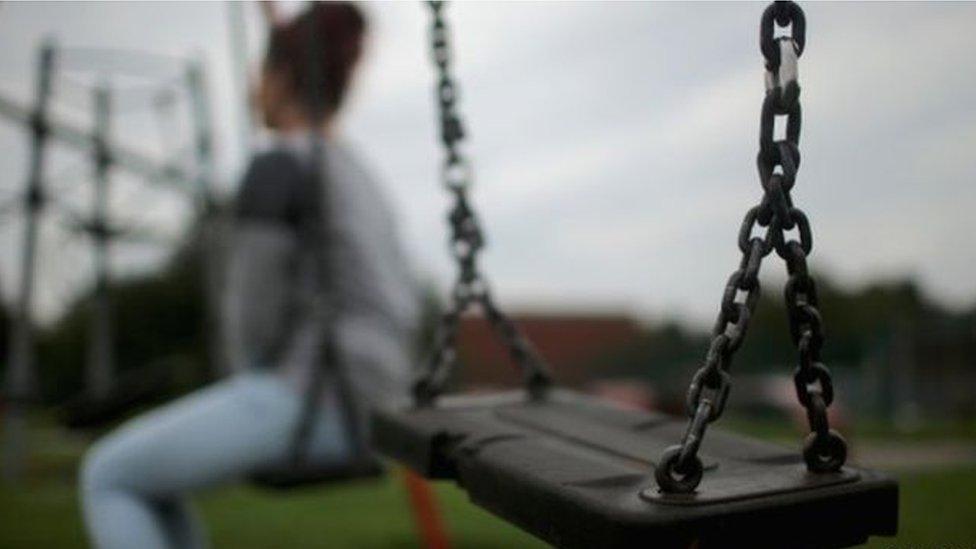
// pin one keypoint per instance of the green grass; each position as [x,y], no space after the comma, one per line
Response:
[938,510]
[370,514]
[43,511]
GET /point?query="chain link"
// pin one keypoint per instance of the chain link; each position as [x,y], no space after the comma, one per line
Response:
[466,241]
[680,469]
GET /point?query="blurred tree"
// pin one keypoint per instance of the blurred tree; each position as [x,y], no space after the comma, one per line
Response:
[159,330]
[4,332]
[897,343]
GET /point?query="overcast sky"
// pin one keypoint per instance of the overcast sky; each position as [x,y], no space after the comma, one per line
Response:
[614,143]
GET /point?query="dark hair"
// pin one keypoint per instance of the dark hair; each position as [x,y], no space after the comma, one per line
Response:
[338,29]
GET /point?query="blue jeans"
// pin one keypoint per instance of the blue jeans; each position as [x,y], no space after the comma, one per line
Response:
[135,482]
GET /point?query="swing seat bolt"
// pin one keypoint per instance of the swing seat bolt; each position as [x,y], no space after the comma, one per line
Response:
[825,453]
[673,479]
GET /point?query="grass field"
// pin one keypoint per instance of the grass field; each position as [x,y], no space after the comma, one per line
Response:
[938,510]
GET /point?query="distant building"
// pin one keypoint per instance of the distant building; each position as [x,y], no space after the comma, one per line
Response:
[923,370]
[573,344]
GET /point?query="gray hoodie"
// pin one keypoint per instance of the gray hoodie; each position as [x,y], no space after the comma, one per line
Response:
[273,305]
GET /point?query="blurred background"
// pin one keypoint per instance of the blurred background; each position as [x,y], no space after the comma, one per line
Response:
[614,149]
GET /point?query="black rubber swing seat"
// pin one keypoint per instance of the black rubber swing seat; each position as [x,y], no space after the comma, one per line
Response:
[577,472]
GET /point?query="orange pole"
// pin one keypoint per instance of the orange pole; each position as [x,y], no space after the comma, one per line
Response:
[426,514]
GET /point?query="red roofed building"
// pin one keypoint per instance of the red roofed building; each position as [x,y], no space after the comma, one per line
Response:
[572,344]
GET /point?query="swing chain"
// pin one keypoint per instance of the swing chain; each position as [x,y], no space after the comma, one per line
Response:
[466,241]
[680,469]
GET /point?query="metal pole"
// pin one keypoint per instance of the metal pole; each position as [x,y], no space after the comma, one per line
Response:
[101,359]
[131,160]
[211,249]
[20,378]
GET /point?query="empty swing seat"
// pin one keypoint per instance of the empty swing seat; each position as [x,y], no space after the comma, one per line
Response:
[576,472]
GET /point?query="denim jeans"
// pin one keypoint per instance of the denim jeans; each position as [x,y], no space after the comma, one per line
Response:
[136,481]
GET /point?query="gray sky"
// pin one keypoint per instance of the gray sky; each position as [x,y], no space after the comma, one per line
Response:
[614,143]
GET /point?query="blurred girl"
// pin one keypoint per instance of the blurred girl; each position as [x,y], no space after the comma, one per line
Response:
[135,483]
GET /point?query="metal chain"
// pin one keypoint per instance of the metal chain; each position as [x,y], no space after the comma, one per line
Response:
[466,241]
[680,469]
